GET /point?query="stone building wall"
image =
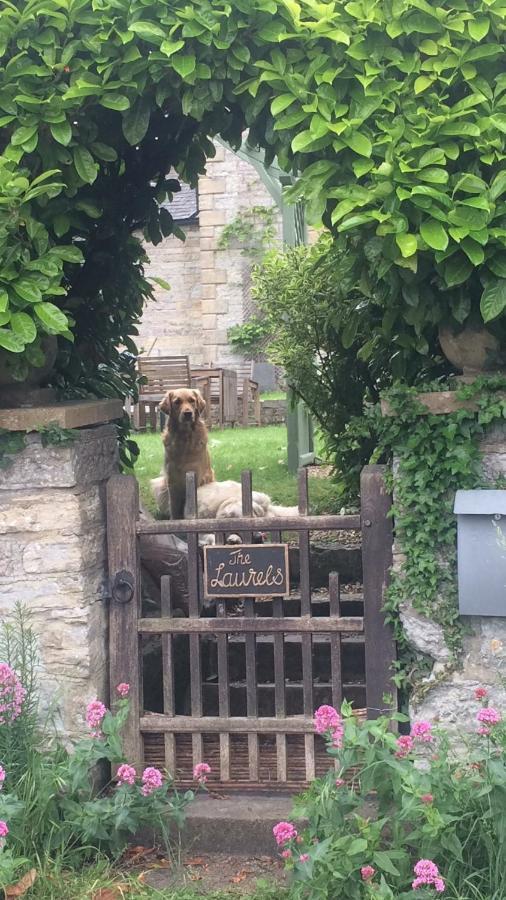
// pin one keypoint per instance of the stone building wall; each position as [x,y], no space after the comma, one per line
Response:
[209,286]
[53,560]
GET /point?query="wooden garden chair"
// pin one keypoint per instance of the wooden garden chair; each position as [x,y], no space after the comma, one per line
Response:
[162,374]
[248,391]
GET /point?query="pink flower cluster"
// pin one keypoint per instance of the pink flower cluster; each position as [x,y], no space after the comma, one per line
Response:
[283,833]
[3,775]
[152,779]
[367,872]
[123,689]
[427,799]
[421,731]
[328,721]
[126,774]
[480,693]
[427,875]
[201,771]
[12,694]
[95,713]
[4,829]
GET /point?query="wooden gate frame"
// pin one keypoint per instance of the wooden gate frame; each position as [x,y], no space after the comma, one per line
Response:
[127,626]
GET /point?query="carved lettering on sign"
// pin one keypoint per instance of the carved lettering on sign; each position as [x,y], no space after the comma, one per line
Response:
[250,570]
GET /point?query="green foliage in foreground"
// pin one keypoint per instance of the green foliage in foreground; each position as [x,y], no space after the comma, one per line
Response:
[394,114]
[398,801]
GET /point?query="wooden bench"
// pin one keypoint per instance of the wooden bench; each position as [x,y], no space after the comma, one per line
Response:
[162,374]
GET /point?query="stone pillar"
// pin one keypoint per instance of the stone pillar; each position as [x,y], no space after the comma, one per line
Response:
[53,560]
[448,694]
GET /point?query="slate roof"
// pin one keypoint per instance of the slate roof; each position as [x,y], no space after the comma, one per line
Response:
[184,205]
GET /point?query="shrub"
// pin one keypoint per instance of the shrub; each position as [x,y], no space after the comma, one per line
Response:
[50,807]
[403,816]
[329,332]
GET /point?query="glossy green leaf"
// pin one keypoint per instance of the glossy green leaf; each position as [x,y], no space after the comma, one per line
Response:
[184,64]
[493,299]
[359,143]
[23,326]
[136,121]
[434,234]
[115,101]
[62,132]
[86,167]
[407,244]
[148,31]
[11,342]
[52,318]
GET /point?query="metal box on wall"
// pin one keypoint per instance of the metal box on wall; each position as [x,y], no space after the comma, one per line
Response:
[481,552]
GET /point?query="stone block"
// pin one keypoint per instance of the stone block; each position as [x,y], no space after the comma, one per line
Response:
[211,185]
[214,276]
[213,217]
[208,292]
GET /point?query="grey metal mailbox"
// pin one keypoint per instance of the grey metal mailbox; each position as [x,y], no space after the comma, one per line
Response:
[481,548]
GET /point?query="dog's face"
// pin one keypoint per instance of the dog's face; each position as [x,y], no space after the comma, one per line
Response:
[183,406]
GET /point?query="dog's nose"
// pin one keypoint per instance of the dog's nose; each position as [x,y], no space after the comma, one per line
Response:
[188,414]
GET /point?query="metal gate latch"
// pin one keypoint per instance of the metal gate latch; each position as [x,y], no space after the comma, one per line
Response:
[123,587]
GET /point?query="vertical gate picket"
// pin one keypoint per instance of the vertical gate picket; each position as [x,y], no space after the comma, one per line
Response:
[169,706]
[125,587]
[250,645]
[335,642]
[191,512]
[377,539]
[223,684]
[305,610]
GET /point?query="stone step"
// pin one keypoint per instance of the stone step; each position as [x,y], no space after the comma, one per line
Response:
[238,823]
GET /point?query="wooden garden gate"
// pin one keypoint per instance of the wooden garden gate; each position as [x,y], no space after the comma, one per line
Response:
[239,681]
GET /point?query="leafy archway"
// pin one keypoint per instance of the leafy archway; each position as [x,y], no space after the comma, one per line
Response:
[392,111]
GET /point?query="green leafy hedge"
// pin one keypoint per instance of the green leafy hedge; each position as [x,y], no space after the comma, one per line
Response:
[394,111]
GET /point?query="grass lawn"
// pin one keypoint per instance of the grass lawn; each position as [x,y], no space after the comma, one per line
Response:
[263,450]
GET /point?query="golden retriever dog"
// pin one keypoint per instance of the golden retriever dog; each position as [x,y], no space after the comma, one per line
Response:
[185,442]
[222,500]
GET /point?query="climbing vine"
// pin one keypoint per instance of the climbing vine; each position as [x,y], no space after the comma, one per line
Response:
[435,455]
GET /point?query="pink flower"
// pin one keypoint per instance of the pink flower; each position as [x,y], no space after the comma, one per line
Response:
[367,872]
[3,775]
[152,779]
[427,798]
[286,854]
[483,730]
[405,745]
[423,732]
[201,771]
[489,716]
[328,721]
[303,857]
[95,713]
[480,693]
[340,782]
[126,774]
[12,694]
[284,832]
[427,875]
[123,689]
[4,828]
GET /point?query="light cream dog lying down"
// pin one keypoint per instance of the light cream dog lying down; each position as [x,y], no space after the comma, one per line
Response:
[222,500]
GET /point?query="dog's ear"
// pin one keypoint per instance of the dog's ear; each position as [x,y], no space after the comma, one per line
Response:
[165,405]
[201,403]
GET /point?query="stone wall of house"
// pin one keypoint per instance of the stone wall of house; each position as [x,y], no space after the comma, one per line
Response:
[53,560]
[209,286]
[448,693]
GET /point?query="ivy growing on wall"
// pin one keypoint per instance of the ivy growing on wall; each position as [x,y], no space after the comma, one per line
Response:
[435,455]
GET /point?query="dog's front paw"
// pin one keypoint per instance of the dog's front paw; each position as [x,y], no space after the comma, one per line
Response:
[207,540]
[234,539]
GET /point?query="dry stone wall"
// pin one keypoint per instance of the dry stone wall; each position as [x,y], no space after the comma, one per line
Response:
[53,560]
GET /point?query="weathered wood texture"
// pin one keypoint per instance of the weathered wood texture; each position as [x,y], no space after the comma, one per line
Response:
[125,588]
[377,539]
[248,631]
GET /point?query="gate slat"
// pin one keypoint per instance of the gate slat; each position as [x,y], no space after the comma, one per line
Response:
[250,644]
[124,639]
[305,610]
[223,684]
[377,540]
[194,613]
[335,643]
[168,675]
